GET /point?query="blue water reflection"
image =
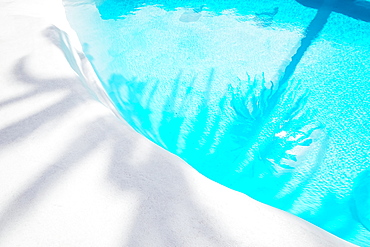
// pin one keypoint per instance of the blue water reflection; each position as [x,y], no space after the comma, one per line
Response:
[270,98]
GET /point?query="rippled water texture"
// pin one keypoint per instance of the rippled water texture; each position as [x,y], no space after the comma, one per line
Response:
[270,98]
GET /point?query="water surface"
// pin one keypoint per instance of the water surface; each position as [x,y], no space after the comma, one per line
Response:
[270,98]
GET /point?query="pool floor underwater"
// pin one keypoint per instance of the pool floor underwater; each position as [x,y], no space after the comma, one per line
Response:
[269,98]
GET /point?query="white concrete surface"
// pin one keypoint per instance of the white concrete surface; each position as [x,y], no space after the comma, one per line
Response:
[73,174]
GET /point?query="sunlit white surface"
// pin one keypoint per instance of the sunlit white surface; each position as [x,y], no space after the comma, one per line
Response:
[72,174]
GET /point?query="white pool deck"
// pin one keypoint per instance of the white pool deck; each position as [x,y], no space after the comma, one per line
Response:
[73,174]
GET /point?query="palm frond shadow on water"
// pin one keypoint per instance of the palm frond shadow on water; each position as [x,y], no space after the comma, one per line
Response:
[226,132]
[245,137]
[275,153]
[256,138]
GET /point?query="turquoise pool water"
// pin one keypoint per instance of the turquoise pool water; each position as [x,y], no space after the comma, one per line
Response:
[270,98]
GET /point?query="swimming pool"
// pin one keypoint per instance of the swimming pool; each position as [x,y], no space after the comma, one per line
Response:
[270,98]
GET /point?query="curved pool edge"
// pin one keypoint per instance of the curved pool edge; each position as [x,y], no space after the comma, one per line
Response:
[72,50]
[65,189]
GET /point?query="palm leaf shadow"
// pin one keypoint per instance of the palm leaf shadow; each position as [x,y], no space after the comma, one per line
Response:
[123,170]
